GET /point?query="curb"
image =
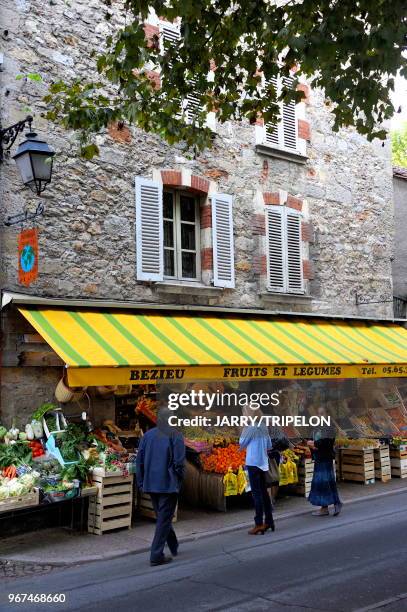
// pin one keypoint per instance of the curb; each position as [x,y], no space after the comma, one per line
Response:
[203,534]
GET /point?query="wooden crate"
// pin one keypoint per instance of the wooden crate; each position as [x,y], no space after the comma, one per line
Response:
[382,467]
[23,501]
[357,465]
[145,507]
[112,506]
[305,474]
[398,461]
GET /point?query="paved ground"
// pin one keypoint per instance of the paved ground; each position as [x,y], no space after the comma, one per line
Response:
[58,546]
[352,563]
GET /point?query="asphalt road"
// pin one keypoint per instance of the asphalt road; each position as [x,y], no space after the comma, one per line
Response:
[354,562]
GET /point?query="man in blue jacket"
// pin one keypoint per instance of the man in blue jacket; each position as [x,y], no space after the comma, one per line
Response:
[160,470]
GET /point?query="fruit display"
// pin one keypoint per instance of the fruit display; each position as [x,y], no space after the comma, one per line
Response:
[202,440]
[223,458]
[303,451]
[357,443]
[148,408]
[107,438]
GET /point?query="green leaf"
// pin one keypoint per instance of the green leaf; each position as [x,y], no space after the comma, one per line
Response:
[89,151]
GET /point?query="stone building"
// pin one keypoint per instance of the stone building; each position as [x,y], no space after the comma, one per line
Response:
[298,219]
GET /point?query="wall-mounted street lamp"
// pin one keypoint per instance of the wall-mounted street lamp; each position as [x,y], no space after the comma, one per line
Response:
[33,157]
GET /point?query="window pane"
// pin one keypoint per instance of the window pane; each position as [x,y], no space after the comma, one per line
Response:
[168,205]
[187,208]
[188,265]
[168,233]
[169,269]
[187,236]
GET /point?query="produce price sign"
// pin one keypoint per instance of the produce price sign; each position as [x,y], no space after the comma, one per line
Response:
[28,256]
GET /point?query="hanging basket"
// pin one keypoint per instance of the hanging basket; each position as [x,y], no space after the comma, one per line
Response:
[65,394]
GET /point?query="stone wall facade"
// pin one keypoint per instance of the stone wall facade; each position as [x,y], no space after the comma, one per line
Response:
[87,235]
[87,244]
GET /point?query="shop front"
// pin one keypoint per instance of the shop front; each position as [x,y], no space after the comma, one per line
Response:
[138,354]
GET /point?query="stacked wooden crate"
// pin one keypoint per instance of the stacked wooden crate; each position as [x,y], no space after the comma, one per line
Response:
[382,468]
[112,507]
[357,465]
[145,507]
[305,474]
[398,460]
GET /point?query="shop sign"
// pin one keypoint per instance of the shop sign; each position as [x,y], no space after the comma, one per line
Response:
[78,377]
[28,256]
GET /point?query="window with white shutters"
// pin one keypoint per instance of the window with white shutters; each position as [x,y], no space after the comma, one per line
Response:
[222,235]
[149,229]
[283,134]
[191,106]
[284,259]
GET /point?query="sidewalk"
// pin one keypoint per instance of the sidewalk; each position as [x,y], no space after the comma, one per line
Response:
[60,547]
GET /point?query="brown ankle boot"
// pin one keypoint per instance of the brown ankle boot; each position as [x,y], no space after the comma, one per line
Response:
[256,530]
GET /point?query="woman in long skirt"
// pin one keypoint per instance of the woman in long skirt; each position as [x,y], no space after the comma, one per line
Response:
[324,491]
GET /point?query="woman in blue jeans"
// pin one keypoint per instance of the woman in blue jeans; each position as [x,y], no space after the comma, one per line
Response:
[256,441]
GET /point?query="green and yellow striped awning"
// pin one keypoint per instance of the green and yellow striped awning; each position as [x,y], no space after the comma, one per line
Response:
[116,348]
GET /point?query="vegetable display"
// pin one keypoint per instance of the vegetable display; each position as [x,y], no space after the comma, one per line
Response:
[397,442]
[42,410]
[17,486]
[15,454]
[27,460]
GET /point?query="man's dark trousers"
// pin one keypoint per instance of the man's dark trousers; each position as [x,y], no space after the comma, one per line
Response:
[164,505]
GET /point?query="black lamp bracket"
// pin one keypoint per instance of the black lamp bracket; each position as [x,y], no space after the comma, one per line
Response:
[8,135]
[25,216]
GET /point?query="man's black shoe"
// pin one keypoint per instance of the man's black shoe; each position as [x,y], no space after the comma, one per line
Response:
[161,561]
[174,552]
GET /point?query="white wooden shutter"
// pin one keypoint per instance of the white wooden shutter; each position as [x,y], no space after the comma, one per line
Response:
[192,106]
[272,131]
[276,269]
[170,33]
[149,230]
[222,236]
[289,120]
[293,250]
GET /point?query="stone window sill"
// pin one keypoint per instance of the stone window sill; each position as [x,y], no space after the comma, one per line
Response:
[285,298]
[280,154]
[186,287]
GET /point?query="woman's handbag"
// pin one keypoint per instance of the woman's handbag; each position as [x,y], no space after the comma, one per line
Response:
[273,473]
